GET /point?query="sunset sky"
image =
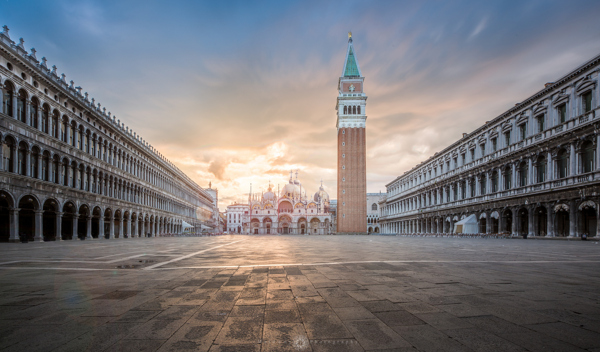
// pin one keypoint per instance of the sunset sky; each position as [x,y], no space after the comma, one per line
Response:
[242,92]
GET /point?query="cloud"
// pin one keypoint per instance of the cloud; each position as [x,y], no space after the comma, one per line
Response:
[242,93]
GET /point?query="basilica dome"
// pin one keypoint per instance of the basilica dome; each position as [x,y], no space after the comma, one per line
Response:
[291,191]
[321,194]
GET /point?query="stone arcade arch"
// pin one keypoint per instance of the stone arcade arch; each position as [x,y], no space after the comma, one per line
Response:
[28,221]
[69,221]
[83,221]
[50,220]
[97,222]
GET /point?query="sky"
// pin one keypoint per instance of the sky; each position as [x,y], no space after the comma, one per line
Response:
[240,92]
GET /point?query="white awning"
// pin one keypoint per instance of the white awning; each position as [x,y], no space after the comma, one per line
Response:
[185,225]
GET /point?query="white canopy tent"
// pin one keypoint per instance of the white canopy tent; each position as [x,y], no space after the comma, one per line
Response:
[185,226]
[467,225]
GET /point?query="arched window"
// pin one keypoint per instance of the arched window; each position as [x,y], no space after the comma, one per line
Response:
[523,174]
[482,184]
[541,169]
[8,149]
[46,166]
[33,163]
[354,110]
[22,159]
[374,206]
[33,113]
[21,106]
[63,130]
[7,101]
[587,157]
[562,163]
[494,181]
[45,119]
[55,125]
[345,110]
[507,178]
[358,109]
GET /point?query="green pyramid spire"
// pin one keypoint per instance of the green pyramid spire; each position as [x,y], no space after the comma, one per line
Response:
[351,66]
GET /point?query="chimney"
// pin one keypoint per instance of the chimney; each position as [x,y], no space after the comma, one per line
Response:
[548,84]
[465,135]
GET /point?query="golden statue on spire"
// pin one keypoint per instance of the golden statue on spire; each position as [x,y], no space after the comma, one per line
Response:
[349,35]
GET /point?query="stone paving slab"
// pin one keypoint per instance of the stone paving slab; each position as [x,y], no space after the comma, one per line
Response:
[332,293]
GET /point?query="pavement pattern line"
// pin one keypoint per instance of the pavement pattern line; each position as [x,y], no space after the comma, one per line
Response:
[190,255]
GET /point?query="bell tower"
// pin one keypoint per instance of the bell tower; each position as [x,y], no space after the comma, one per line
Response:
[351,125]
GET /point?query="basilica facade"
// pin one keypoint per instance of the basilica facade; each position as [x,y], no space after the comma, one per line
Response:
[288,211]
[71,170]
[532,171]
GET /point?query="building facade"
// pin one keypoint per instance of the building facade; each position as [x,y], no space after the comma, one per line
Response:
[534,170]
[234,215]
[290,212]
[71,170]
[374,211]
[352,167]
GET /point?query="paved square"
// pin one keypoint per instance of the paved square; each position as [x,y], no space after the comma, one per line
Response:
[300,293]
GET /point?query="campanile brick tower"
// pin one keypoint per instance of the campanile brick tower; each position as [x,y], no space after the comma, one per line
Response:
[352,167]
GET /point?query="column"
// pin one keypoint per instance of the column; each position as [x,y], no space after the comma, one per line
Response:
[111,227]
[101,227]
[514,221]
[530,180]
[572,219]
[39,236]
[513,181]
[15,159]
[549,173]
[530,229]
[27,113]
[39,166]
[477,187]
[598,223]
[14,105]
[598,157]
[572,168]
[59,216]
[14,224]
[27,163]
[89,228]
[75,220]
[549,220]
[488,222]
[129,227]
[143,229]
[39,118]
[121,234]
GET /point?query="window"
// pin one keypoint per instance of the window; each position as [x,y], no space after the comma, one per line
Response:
[587,157]
[562,162]
[472,154]
[463,190]
[523,131]
[494,181]
[541,169]
[7,106]
[482,147]
[455,191]
[472,182]
[463,156]
[562,113]
[494,144]
[507,138]
[447,165]
[482,185]
[586,101]
[455,161]
[507,178]
[523,174]
[374,206]
[540,122]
